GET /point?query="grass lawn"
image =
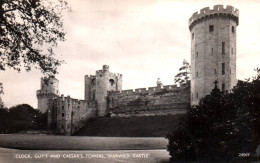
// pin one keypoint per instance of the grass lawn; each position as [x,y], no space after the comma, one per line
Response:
[52,142]
[150,126]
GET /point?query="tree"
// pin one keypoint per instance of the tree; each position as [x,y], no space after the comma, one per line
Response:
[1,92]
[21,117]
[184,73]
[27,25]
[4,120]
[221,126]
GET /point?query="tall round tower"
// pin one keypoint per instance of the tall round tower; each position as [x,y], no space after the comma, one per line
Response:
[49,90]
[213,50]
[102,83]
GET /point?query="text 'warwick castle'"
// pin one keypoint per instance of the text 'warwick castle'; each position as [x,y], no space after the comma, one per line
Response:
[213,58]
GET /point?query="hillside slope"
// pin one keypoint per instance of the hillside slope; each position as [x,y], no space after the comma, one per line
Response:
[152,126]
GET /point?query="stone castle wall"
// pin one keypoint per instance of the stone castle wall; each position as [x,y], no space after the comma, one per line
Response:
[152,101]
[67,115]
[211,32]
[98,86]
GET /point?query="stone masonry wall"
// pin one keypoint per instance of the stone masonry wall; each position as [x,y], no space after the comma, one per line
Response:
[67,115]
[49,90]
[213,50]
[152,101]
[97,87]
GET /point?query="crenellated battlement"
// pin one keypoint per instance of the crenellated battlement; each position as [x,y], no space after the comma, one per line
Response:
[115,75]
[100,73]
[45,92]
[90,76]
[150,89]
[74,101]
[217,10]
[104,72]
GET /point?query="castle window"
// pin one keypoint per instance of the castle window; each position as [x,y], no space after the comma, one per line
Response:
[62,127]
[211,50]
[68,105]
[211,28]
[62,107]
[223,47]
[230,71]
[233,29]
[215,71]
[197,54]
[223,68]
[62,114]
[111,81]
[223,87]
[197,95]
[192,36]
[197,74]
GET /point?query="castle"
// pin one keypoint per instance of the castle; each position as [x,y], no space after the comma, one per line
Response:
[213,58]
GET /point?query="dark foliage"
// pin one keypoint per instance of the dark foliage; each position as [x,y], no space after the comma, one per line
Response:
[4,120]
[21,117]
[1,92]
[27,25]
[220,127]
[184,73]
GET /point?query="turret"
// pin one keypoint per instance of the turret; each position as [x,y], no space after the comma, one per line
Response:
[98,86]
[49,90]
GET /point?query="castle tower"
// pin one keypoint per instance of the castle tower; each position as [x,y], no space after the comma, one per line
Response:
[213,50]
[97,88]
[49,90]
[90,87]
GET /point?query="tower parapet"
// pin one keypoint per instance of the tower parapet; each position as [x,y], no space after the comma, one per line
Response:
[206,12]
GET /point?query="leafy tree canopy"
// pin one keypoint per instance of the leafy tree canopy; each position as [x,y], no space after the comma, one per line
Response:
[21,117]
[221,126]
[1,92]
[23,111]
[184,73]
[25,27]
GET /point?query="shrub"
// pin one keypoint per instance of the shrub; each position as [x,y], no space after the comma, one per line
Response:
[220,127]
[21,117]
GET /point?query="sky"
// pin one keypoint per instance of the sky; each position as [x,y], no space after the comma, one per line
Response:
[141,39]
